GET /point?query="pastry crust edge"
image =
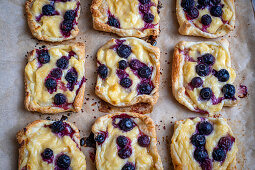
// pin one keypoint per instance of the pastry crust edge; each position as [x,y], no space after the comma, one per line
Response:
[150,99]
[178,88]
[33,26]
[150,130]
[188,28]
[78,101]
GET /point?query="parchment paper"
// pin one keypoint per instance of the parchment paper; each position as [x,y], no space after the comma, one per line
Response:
[16,40]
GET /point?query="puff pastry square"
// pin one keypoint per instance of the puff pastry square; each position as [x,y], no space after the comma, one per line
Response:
[136,18]
[206,18]
[53,20]
[202,76]
[203,143]
[47,145]
[128,72]
[126,141]
[55,79]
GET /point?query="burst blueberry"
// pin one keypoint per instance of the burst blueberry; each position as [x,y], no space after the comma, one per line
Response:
[48,10]
[126,124]
[206,93]
[112,21]
[187,4]
[135,64]
[57,126]
[145,88]
[226,143]
[102,71]
[50,84]
[193,13]
[219,154]
[144,72]
[69,15]
[196,82]
[123,64]
[216,11]
[56,73]
[63,161]
[229,91]
[200,154]
[100,138]
[71,76]
[198,140]
[47,153]
[223,75]
[125,152]
[203,3]
[128,166]
[206,20]
[62,62]
[44,57]
[66,26]
[144,140]
[126,82]
[59,99]
[122,141]
[148,17]
[144,1]
[124,51]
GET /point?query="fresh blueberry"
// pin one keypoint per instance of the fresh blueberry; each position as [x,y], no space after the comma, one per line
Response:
[187,4]
[50,83]
[126,82]
[69,15]
[100,138]
[229,91]
[122,141]
[203,3]
[48,10]
[124,51]
[112,21]
[144,1]
[44,57]
[193,13]
[59,99]
[200,154]
[71,76]
[198,140]
[145,88]
[63,161]
[144,72]
[223,75]
[196,82]
[206,20]
[47,153]
[215,2]
[206,93]
[123,64]
[128,166]
[126,124]
[62,62]
[202,70]
[216,11]
[56,73]
[205,128]
[102,71]
[207,58]
[135,64]
[148,17]
[226,143]
[57,126]
[219,154]
[144,140]
[125,152]
[66,26]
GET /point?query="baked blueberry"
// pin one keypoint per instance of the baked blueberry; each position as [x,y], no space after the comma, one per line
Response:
[135,64]
[123,64]
[200,154]
[144,140]
[71,76]
[57,126]
[126,124]
[226,143]
[63,161]
[145,88]
[128,166]
[215,2]
[229,91]
[202,70]
[50,84]
[100,138]
[203,3]
[205,128]
[216,11]
[102,71]
[187,4]
[144,72]
[206,93]
[196,82]
[59,99]
[223,75]
[47,153]
[193,13]
[126,82]
[48,10]
[62,62]
[122,141]
[112,21]
[148,17]
[219,154]
[56,73]
[125,152]
[144,1]
[124,51]
[207,58]
[206,19]
[69,15]
[198,140]
[44,57]
[66,26]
